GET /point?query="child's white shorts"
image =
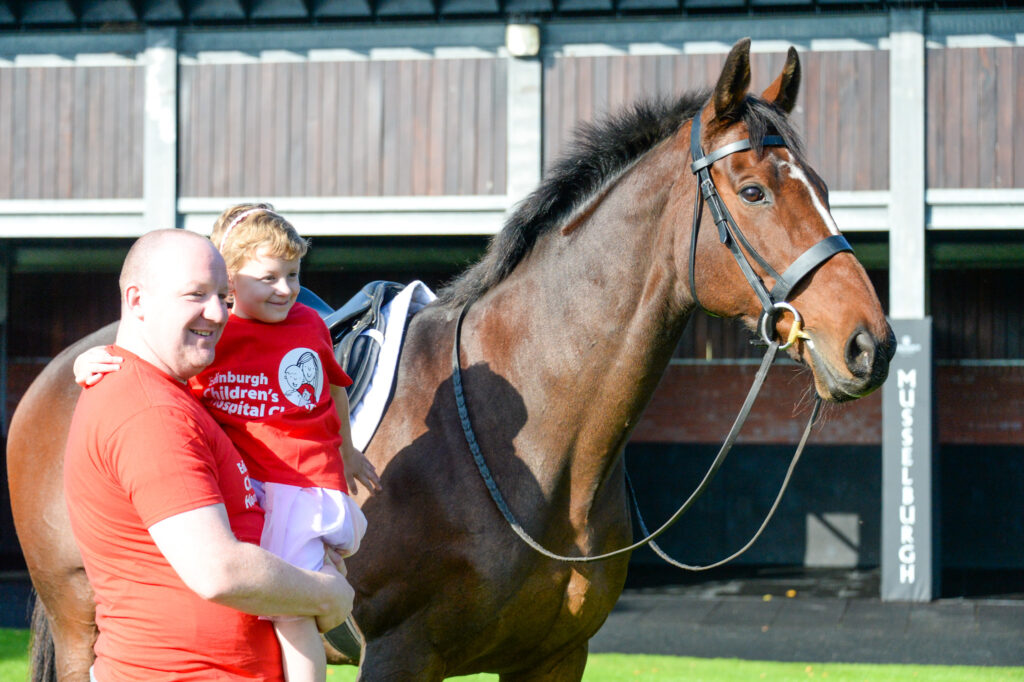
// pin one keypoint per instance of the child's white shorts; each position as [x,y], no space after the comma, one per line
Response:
[300,521]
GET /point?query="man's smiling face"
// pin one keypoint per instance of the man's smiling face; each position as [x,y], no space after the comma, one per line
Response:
[182,301]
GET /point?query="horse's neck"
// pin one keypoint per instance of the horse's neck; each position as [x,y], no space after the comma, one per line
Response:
[605,341]
[596,321]
[614,283]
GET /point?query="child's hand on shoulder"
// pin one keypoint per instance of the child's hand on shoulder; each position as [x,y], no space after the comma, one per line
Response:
[358,469]
[91,365]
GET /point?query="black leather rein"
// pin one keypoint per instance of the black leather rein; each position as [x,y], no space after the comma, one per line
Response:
[772,302]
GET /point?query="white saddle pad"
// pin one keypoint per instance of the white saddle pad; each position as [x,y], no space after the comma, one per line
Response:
[366,415]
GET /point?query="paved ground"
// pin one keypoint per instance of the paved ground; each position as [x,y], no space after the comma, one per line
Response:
[831,616]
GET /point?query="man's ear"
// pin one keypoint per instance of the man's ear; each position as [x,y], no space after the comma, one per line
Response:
[132,300]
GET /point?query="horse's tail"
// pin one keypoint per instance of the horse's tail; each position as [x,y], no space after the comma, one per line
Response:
[44,662]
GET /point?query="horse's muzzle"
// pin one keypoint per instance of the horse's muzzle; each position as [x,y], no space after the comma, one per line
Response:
[867,361]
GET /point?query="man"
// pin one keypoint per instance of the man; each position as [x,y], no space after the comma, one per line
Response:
[160,502]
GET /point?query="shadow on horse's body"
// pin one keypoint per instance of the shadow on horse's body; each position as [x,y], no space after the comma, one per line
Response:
[575,312]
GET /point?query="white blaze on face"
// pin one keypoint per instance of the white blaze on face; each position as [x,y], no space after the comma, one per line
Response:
[797,174]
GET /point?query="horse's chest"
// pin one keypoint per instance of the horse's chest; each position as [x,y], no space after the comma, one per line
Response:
[576,605]
[576,593]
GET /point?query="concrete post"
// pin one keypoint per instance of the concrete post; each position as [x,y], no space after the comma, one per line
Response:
[525,122]
[909,552]
[160,121]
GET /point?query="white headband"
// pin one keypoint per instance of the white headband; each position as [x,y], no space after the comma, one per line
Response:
[239,218]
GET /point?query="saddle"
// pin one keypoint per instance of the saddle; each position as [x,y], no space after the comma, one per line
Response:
[357,331]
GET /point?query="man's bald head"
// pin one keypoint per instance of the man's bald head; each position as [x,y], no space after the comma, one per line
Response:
[173,287]
[153,250]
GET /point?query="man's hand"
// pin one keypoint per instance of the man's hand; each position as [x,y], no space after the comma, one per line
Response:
[334,566]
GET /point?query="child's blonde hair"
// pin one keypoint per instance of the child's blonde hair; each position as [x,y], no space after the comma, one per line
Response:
[244,229]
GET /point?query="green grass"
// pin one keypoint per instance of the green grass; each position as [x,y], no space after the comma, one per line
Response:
[629,668]
[13,655]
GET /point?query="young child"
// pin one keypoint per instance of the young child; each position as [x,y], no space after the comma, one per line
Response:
[278,392]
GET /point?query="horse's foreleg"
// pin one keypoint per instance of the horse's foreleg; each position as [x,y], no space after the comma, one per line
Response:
[566,668]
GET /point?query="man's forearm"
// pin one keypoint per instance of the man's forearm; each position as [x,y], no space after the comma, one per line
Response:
[208,558]
[257,582]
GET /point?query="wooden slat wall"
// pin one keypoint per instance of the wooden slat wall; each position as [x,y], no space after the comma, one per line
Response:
[47,313]
[73,305]
[582,89]
[843,114]
[974,119]
[71,132]
[352,128]
[843,110]
[977,314]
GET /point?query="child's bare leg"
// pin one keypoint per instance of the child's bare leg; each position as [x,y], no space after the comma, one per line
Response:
[302,652]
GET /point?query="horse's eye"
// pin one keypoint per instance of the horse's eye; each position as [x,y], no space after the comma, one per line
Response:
[752,194]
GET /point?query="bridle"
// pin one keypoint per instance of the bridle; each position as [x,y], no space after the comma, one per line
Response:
[773,303]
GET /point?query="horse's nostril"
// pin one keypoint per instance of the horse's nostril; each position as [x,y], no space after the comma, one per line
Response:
[860,353]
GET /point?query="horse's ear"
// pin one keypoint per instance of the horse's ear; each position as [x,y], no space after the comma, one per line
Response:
[734,81]
[782,93]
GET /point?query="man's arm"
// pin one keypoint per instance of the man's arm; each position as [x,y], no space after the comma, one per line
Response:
[208,558]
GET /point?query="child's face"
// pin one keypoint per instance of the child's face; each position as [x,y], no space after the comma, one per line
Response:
[265,287]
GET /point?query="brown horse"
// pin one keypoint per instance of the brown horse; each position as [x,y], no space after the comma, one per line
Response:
[574,313]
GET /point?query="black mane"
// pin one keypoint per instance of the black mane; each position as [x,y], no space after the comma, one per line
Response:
[599,152]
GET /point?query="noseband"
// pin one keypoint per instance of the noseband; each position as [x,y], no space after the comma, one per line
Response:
[772,302]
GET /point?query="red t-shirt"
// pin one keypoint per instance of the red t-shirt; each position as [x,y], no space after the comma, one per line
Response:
[142,449]
[269,388]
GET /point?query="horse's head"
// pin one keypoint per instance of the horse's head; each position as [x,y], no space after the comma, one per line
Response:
[781,231]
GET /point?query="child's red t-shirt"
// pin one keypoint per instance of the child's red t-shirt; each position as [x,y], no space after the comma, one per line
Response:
[269,388]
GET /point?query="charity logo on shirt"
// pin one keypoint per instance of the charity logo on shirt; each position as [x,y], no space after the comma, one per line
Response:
[299,381]
[301,377]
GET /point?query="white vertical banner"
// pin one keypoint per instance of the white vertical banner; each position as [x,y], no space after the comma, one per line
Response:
[909,552]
